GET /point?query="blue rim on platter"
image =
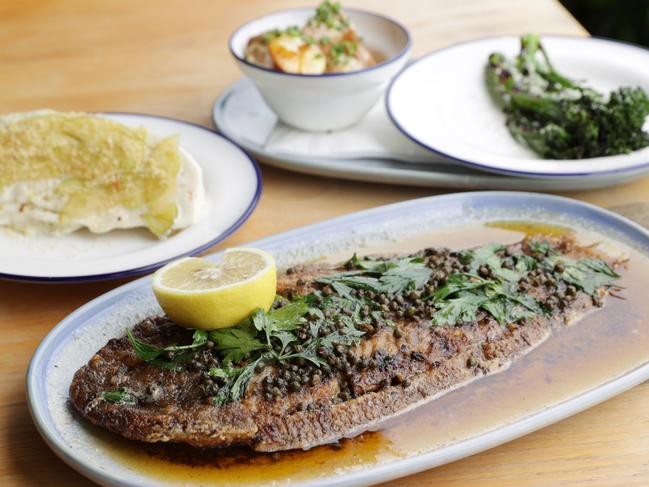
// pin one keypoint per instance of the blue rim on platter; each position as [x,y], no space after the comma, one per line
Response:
[194,251]
[450,206]
[486,167]
[402,53]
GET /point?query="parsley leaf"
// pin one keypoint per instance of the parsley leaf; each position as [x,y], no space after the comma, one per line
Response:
[405,275]
[487,256]
[238,387]
[143,350]
[540,247]
[152,353]
[465,294]
[237,341]
[586,274]
[509,306]
[119,396]
[287,317]
[198,340]
[389,276]
[462,308]
[460,282]
[525,263]
[237,379]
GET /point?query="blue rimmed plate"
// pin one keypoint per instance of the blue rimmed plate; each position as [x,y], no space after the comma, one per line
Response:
[441,102]
[436,220]
[241,114]
[233,187]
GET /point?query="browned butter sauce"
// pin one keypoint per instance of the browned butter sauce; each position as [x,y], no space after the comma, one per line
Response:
[602,346]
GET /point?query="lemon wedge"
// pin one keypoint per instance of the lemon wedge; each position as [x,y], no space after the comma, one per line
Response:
[198,293]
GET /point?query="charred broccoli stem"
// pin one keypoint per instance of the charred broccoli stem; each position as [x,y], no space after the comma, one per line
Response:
[559,118]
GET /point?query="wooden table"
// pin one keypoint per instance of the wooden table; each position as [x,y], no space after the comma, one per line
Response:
[170,57]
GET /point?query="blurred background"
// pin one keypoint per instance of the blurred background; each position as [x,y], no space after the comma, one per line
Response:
[627,20]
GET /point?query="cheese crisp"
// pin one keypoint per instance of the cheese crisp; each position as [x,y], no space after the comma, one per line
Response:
[63,171]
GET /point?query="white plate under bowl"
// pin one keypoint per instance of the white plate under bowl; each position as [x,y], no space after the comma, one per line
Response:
[241,114]
[75,339]
[233,186]
[441,102]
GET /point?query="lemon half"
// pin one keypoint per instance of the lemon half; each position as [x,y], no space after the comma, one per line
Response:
[198,293]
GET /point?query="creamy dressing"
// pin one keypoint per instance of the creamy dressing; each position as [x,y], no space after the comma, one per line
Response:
[191,200]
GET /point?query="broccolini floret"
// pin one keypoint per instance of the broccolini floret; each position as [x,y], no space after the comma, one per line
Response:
[559,118]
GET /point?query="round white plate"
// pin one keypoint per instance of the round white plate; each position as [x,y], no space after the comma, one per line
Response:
[75,339]
[242,116]
[441,102]
[233,186]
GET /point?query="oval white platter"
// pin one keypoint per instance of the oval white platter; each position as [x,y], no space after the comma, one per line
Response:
[233,187]
[242,116]
[441,102]
[73,341]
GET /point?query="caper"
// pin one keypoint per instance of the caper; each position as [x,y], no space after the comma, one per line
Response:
[418,356]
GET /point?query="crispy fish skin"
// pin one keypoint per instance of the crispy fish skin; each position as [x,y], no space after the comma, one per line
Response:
[172,407]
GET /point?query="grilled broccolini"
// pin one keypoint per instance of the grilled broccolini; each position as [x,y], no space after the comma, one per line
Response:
[559,118]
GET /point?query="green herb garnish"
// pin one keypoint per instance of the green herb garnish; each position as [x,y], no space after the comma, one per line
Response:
[313,328]
[294,31]
[180,353]
[330,14]
[541,247]
[270,35]
[586,274]
[460,299]
[119,396]
[235,342]
[380,276]
[237,379]
[341,52]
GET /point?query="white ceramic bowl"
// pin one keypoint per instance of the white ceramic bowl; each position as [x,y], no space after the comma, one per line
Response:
[328,101]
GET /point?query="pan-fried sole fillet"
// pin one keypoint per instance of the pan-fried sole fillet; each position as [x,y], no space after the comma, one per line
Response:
[435,360]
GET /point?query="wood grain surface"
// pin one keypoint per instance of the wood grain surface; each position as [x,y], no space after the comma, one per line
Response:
[170,57]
